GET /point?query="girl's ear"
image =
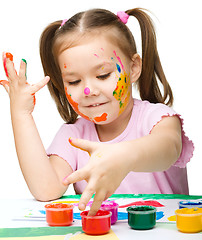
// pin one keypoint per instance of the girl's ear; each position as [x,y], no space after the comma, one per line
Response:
[136,68]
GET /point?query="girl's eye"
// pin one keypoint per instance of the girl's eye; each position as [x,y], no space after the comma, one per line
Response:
[103,77]
[74,82]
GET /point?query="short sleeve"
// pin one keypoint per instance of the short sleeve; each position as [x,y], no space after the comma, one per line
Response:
[61,147]
[156,113]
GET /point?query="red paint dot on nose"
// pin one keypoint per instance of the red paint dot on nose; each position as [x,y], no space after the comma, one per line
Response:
[87,91]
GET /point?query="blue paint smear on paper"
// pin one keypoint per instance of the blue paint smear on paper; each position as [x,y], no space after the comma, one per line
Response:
[123,215]
[42,212]
[159,215]
[77,216]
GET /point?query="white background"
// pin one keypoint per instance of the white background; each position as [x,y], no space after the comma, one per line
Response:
[179,39]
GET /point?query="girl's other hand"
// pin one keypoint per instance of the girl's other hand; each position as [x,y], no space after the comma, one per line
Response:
[22,94]
[104,172]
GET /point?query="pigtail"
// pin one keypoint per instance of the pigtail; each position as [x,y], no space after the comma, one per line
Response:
[51,68]
[152,70]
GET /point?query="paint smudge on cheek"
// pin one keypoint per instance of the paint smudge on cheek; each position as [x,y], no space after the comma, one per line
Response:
[118,68]
[102,118]
[65,65]
[75,105]
[121,92]
[118,58]
[96,55]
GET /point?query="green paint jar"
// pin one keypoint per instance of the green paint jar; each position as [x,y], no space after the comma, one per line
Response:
[141,217]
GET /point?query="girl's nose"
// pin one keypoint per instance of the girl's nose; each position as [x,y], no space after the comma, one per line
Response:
[87,91]
[91,90]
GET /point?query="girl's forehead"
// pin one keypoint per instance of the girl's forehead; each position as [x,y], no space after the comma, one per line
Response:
[97,40]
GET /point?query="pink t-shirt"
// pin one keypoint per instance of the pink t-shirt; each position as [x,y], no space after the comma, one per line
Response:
[144,117]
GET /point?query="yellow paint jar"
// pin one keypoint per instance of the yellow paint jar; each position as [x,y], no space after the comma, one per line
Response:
[189,220]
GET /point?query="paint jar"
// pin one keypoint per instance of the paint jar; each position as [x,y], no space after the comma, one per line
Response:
[98,224]
[190,204]
[189,220]
[113,208]
[59,214]
[141,217]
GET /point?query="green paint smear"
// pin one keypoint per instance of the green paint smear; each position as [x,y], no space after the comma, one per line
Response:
[38,231]
[145,196]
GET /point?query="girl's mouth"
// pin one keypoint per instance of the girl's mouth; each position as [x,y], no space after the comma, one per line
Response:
[96,105]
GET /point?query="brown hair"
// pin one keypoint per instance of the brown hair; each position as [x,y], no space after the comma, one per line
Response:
[93,21]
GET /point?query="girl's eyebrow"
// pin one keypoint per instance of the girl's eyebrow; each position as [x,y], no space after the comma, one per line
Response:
[96,67]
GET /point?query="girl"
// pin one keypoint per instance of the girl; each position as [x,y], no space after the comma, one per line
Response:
[119,144]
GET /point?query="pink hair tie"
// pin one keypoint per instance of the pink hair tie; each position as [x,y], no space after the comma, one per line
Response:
[63,22]
[123,16]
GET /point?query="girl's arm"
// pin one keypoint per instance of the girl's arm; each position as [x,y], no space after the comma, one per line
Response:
[110,163]
[43,175]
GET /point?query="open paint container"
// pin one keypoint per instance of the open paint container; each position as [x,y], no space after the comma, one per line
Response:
[98,224]
[190,204]
[141,217]
[59,214]
[113,208]
[189,220]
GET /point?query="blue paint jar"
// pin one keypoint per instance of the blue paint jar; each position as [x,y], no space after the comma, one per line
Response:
[190,204]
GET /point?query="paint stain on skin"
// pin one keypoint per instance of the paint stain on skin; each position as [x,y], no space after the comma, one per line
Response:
[121,92]
[5,56]
[65,65]
[96,55]
[102,118]
[118,68]
[4,82]
[118,58]
[75,106]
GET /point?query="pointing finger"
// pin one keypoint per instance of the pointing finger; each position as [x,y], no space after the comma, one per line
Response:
[76,176]
[36,87]
[86,196]
[98,199]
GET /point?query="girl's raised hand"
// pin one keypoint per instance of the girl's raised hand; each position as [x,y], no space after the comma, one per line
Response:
[104,172]
[22,94]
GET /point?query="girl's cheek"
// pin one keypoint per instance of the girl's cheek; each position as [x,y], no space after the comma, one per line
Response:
[73,103]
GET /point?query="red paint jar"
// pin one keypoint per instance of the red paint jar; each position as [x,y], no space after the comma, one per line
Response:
[59,214]
[98,224]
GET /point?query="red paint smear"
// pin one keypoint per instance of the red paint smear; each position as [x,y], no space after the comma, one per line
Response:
[102,118]
[9,56]
[143,203]
[4,82]
[118,58]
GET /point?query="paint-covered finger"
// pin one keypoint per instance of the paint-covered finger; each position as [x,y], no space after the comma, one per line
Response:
[6,55]
[36,87]
[83,144]
[23,71]
[98,199]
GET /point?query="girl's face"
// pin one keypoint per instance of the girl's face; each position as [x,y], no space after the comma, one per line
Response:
[96,78]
